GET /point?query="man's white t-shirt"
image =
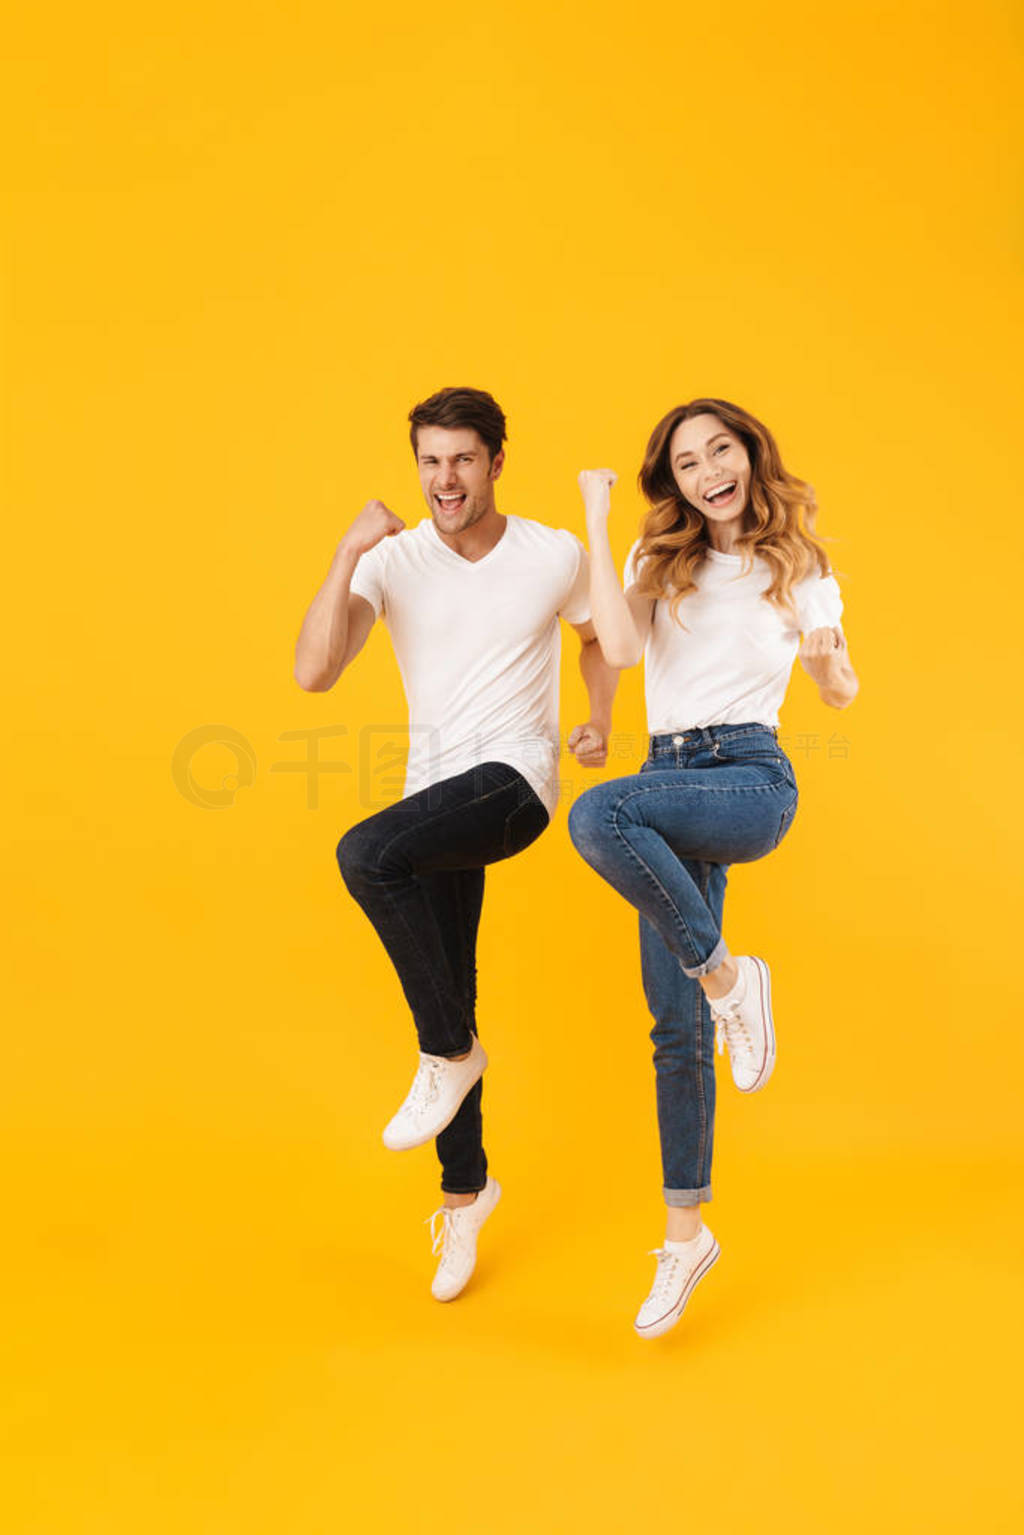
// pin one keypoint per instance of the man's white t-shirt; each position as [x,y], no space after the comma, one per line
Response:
[731,663]
[478,645]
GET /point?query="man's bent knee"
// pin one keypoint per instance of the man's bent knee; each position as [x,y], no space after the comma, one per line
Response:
[357,855]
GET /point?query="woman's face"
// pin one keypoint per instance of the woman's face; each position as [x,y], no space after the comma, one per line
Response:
[711,467]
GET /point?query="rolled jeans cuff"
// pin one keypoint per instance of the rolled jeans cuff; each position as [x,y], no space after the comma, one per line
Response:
[712,962]
[456,1055]
[683,1199]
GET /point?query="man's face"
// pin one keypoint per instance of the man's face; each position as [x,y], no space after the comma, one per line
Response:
[457,476]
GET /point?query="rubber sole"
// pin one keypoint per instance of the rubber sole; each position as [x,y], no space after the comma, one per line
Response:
[765,982]
[669,1320]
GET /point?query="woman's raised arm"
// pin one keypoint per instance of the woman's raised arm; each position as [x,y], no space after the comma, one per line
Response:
[622,620]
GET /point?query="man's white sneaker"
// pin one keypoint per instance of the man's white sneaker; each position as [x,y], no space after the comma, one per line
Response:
[743,1021]
[434,1098]
[677,1274]
[455,1239]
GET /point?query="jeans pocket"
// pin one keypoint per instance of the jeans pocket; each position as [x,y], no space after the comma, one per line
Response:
[754,752]
[524,825]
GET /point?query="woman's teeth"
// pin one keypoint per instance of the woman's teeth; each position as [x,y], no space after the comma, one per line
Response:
[721,493]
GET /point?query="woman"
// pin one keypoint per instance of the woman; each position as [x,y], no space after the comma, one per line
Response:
[723,582]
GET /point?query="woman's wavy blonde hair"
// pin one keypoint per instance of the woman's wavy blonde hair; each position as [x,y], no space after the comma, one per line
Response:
[674,537]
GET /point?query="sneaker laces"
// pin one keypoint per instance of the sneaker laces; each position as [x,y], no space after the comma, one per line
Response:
[442,1237]
[731,1030]
[439,1234]
[665,1277]
[425,1084]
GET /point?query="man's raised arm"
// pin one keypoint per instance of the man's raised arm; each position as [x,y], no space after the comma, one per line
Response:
[336,627]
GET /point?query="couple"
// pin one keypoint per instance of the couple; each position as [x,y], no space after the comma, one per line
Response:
[719,589]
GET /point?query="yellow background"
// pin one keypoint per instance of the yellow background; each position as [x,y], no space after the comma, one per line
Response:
[243,240]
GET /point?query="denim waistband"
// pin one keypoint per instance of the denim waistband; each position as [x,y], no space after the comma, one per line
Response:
[707,735]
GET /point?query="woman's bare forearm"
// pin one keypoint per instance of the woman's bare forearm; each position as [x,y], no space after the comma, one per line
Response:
[621,645]
[621,642]
[826,659]
[842,688]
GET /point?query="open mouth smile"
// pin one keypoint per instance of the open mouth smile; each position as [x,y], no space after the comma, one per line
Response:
[722,494]
[452,501]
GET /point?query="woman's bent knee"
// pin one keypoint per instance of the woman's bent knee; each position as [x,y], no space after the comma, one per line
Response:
[590,822]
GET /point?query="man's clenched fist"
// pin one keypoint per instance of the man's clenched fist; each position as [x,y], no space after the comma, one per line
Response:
[589,745]
[374,522]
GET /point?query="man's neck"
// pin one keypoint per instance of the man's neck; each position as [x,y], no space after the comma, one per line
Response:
[474,542]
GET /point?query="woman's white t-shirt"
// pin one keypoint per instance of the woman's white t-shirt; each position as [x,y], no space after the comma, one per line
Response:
[731,663]
[478,644]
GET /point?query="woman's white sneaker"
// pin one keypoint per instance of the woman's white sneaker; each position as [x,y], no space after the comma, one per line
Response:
[454,1233]
[680,1268]
[743,1022]
[434,1098]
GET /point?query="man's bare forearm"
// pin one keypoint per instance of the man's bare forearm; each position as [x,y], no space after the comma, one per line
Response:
[601,681]
[320,649]
[323,641]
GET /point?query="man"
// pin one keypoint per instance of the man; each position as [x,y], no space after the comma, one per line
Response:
[472,599]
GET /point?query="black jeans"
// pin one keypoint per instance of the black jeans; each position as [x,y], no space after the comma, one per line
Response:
[417,870]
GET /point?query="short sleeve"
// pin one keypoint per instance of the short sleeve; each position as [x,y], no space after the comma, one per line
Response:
[629,572]
[818,603]
[575,608]
[368,577]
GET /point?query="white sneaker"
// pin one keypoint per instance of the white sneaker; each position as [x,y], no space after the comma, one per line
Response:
[746,1026]
[455,1239]
[674,1282]
[434,1098]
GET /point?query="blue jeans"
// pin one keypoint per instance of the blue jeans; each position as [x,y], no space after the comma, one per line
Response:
[664,838]
[417,870]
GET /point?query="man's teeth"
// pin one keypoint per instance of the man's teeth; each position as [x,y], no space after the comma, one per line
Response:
[720,490]
[456,496]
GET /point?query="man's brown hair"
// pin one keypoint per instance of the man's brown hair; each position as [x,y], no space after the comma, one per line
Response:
[454,408]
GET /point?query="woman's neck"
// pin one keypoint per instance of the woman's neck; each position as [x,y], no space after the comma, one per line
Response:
[723,536]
